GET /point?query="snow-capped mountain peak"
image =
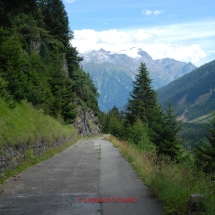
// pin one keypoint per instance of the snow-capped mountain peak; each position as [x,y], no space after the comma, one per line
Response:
[132,52]
[102,55]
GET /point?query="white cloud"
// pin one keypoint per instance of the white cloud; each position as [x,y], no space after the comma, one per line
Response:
[86,39]
[147,12]
[182,52]
[157,12]
[151,12]
[142,36]
[69,1]
[188,42]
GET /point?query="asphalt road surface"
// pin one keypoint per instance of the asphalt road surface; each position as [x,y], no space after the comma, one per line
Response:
[72,183]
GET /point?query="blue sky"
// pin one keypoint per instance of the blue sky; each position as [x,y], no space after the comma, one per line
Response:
[180,29]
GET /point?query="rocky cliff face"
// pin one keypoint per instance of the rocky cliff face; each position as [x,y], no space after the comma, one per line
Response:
[87,123]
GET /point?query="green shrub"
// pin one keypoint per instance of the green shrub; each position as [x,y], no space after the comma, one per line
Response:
[138,136]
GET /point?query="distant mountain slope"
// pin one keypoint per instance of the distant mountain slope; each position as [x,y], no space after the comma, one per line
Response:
[113,73]
[113,84]
[193,94]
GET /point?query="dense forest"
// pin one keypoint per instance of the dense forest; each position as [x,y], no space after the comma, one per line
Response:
[37,61]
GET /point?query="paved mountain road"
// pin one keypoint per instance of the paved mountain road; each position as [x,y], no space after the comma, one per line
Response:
[89,170]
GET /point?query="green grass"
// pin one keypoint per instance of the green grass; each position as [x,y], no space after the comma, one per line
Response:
[172,183]
[25,124]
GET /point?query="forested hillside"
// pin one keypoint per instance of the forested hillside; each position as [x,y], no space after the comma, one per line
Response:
[193,94]
[37,61]
[113,84]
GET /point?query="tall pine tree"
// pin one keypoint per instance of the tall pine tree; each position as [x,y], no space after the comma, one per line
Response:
[163,132]
[10,8]
[143,97]
[171,144]
[162,127]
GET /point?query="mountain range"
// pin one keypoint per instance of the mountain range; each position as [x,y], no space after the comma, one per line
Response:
[113,73]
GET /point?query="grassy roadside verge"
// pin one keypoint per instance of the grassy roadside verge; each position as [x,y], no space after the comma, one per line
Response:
[172,183]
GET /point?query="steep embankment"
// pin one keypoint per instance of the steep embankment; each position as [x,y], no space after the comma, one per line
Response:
[23,128]
[193,95]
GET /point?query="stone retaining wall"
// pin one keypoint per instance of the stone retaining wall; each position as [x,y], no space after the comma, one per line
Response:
[12,156]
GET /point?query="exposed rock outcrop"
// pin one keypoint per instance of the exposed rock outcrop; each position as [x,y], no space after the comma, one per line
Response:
[87,123]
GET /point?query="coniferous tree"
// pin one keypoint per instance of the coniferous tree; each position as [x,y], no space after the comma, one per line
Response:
[156,125]
[73,60]
[113,122]
[61,87]
[143,97]
[161,126]
[138,135]
[26,27]
[205,154]
[170,144]
[10,8]
[39,92]
[68,109]
[85,89]
[163,132]
[4,92]
[13,62]
[56,20]
[45,54]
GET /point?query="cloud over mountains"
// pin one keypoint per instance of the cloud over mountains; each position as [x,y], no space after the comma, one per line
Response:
[152,41]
